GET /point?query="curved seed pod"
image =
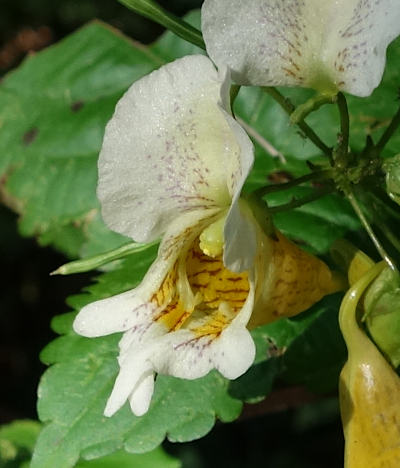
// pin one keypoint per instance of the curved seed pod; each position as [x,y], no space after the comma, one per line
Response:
[381,302]
[369,392]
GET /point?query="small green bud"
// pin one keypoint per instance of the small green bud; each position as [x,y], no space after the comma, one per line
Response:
[382,310]
[92,263]
[392,168]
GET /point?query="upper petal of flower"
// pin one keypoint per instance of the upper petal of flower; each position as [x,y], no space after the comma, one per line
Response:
[167,149]
[327,45]
[240,237]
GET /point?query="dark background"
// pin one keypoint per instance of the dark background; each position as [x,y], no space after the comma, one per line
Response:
[272,436]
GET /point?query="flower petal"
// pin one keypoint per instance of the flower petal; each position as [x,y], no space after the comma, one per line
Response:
[309,43]
[240,239]
[213,335]
[133,382]
[140,398]
[135,308]
[114,314]
[208,343]
[184,354]
[165,149]
[239,232]
[289,281]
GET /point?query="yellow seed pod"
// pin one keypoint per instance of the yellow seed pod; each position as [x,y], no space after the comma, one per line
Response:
[369,391]
[292,280]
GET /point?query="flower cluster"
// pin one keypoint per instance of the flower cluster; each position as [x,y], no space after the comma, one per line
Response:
[173,165]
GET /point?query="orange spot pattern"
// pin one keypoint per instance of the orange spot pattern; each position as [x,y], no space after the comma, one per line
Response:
[214,326]
[208,277]
[215,283]
[173,313]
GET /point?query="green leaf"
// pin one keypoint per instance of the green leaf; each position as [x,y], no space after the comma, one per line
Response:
[73,392]
[318,224]
[155,459]
[52,131]
[53,111]
[316,357]
[17,440]
[280,342]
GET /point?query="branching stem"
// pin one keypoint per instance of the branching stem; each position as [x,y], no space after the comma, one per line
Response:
[393,126]
[289,108]
[301,201]
[344,125]
[292,183]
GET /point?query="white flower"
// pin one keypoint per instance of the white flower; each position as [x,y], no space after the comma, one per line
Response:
[173,163]
[328,45]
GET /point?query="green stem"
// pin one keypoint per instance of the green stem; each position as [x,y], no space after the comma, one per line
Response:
[257,137]
[289,108]
[301,201]
[386,203]
[311,105]
[356,207]
[91,263]
[344,125]
[393,126]
[292,183]
[389,234]
[386,230]
[382,209]
[155,12]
